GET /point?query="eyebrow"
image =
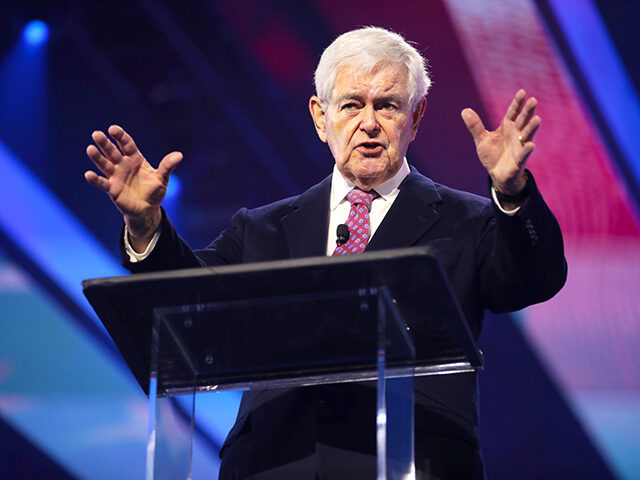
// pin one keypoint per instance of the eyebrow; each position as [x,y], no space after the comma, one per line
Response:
[348,96]
[390,98]
[356,96]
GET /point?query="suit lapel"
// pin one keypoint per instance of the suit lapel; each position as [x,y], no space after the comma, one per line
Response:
[305,228]
[411,215]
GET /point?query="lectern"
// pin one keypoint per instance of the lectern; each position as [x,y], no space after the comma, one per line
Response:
[383,316]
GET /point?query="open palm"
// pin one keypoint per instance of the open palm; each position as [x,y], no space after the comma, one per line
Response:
[504,152]
[135,187]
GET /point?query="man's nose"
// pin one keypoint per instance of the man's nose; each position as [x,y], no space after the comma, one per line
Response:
[369,122]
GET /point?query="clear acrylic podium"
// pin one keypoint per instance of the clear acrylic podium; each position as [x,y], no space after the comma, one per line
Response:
[381,316]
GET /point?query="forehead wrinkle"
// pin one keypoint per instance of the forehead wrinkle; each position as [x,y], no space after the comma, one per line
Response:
[362,84]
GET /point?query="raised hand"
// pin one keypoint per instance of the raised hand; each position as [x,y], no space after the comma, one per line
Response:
[134,186]
[504,151]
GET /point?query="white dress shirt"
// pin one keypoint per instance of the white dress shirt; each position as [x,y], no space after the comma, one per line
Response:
[339,206]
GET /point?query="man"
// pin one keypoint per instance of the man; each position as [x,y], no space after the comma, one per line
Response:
[503,254]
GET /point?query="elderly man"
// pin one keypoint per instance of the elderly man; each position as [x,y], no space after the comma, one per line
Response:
[502,254]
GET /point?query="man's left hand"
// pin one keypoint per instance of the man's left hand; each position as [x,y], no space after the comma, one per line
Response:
[504,151]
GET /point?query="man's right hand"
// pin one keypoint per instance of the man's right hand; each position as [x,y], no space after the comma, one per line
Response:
[134,186]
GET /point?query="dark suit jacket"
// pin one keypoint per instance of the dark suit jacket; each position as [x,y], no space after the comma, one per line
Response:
[493,262]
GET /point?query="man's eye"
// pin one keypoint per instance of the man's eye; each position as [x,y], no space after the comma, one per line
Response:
[388,106]
[349,106]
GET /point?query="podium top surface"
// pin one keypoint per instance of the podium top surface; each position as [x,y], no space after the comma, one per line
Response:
[416,281]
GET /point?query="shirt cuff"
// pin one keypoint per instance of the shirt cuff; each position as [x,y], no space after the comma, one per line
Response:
[135,257]
[495,200]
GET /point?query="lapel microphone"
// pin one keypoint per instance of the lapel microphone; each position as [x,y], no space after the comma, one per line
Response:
[343,234]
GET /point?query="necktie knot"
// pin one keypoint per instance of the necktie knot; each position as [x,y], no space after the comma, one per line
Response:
[360,197]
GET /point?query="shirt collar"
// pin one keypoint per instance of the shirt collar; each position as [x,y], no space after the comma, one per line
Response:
[340,186]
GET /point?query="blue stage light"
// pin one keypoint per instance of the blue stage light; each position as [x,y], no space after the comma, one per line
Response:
[35,32]
[174,188]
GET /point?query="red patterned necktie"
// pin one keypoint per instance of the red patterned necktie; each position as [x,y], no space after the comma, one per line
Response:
[357,222]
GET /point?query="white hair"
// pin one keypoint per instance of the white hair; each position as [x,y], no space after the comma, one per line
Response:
[363,49]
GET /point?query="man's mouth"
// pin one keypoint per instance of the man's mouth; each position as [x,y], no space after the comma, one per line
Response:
[370,148]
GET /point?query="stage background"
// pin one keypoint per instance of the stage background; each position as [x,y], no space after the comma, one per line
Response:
[227,83]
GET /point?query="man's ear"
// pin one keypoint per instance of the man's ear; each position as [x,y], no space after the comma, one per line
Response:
[416,116]
[319,119]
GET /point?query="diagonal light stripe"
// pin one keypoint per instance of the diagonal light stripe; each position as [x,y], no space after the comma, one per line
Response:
[506,45]
[588,334]
[58,243]
[94,412]
[599,62]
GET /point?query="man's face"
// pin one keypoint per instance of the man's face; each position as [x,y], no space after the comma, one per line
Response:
[368,122]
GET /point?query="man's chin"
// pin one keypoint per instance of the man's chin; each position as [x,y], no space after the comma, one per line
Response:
[369,181]
[368,172]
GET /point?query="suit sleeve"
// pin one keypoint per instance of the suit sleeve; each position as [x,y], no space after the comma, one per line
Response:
[172,252]
[521,257]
